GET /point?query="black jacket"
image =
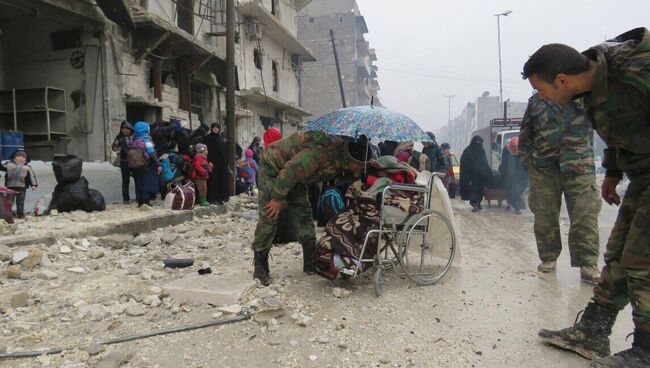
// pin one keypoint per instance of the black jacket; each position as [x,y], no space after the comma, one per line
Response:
[436,157]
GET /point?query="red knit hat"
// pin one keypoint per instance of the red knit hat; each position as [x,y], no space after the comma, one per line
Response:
[271,135]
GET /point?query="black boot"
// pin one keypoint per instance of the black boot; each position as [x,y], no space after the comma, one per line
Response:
[637,357]
[308,258]
[261,263]
[589,337]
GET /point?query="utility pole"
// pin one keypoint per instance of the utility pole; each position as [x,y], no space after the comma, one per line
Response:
[230,93]
[338,69]
[505,14]
[449,97]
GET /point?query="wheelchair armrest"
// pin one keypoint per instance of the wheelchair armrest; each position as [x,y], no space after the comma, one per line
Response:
[409,188]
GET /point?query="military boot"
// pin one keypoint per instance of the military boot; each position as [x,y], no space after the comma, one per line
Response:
[589,337]
[261,263]
[637,357]
[308,258]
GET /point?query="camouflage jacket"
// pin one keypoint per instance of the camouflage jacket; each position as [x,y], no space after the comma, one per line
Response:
[303,157]
[553,135]
[619,104]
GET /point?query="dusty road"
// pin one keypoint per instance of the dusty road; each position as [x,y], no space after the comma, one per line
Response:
[485,313]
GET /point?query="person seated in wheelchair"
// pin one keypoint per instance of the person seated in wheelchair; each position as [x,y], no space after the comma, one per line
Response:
[338,251]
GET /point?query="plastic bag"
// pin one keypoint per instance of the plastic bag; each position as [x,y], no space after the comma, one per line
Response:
[67,169]
[70,197]
[95,201]
[43,205]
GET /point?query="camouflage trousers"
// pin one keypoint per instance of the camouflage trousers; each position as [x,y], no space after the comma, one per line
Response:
[626,275]
[299,214]
[547,185]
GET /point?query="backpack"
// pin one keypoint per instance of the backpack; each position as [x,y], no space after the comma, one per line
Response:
[331,204]
[245,170]
[137,155]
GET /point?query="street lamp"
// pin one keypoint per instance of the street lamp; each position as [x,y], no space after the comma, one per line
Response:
[505,14]
[449,97]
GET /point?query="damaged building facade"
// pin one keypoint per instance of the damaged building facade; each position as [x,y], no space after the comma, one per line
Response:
[320,88]
[72,71]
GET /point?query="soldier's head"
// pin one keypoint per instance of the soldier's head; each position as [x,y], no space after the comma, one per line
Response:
[358,155]
[559,73]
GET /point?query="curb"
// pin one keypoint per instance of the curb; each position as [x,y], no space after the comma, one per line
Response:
[144,225]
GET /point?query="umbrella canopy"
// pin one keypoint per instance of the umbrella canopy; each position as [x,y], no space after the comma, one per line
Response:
[373,122]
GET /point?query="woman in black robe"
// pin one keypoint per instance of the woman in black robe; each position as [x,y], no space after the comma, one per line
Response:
[515,178]
[475,173]
[218,182]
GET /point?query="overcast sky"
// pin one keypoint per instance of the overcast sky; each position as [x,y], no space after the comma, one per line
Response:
[431,48]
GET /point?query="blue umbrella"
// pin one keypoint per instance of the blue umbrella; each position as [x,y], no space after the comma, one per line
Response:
[373,122]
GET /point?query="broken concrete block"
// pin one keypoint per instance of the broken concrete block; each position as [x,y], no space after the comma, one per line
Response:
[14,272]
[19,300]
[209,289]
[115,241]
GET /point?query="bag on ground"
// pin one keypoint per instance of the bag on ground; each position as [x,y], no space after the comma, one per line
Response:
[70,197]
[43,205]
[67,169]
[95,201]
[181,197]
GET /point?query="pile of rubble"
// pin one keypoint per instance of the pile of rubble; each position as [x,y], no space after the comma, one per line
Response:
[82,290]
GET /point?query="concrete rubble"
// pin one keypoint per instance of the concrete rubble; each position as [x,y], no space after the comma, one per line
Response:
[127,290]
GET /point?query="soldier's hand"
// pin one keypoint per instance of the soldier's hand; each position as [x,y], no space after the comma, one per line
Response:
[609,190]
[272,210]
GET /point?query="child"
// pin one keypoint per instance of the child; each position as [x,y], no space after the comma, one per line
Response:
[247,171]
[201,172]
[20,176]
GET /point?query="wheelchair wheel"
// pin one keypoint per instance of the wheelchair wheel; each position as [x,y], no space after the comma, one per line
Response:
[427,247]
[379,281]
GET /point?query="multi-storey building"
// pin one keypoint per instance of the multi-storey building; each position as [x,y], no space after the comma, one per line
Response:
[72,71]
[320,86]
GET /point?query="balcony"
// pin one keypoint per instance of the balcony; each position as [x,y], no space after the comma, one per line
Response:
[256,95]
[362,27]
[373,54]
[274,28]
[362,68]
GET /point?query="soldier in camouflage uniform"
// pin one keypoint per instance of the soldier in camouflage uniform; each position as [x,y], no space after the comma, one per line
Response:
[614,79]
[556,148]
[286,167]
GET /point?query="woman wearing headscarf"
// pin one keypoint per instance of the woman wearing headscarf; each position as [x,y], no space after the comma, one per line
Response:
[217,156]
[475,173]
[515,178]
[147,182]
[257,150]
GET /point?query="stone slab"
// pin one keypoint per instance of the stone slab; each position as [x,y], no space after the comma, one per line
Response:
[209,289]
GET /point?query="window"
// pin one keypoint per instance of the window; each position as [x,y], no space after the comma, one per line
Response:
[257,58]
[311,19]
[276,77]
[185,11]
[341,18]
[64,40]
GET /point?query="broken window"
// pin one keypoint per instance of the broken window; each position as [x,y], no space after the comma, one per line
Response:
[276,77]
[185,10]
[64,40]
[257,58]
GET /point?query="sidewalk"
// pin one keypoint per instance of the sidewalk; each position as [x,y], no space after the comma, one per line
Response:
[118,218]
